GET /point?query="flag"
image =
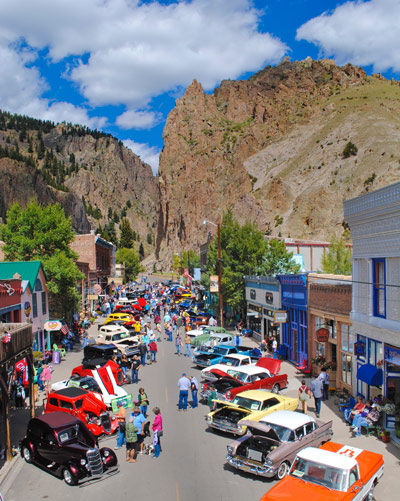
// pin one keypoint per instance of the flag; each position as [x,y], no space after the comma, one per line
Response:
[65,329]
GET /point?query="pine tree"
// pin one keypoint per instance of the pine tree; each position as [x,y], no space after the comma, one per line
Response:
[141,251]
[126,240]
[338,258]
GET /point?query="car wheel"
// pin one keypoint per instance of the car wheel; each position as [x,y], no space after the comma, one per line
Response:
[282,471]
[275,388]
[27,454]
[68,477]
[370,495]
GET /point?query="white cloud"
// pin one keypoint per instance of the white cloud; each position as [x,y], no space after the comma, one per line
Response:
[148,154]
[360,32]
[140,50]
[138,119]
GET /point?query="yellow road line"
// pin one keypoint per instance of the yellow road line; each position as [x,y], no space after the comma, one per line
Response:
[166,394]
[178,497]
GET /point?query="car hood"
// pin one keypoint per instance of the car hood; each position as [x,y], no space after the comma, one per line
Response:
[254,427]
[216,372]
[272,364]
[291,487]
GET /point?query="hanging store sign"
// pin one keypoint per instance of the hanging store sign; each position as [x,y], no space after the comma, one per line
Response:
[322,335]
[359,348]
[269,298]
[280,317]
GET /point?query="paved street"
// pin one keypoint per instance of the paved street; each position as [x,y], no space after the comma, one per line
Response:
[192,465]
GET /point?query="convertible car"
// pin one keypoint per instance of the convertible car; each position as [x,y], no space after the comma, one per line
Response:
[250,406]
[270,445]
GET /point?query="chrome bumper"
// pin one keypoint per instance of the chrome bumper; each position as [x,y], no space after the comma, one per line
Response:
[260,470]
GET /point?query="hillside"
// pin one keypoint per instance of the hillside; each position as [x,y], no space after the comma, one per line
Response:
[271,149]
[91,174]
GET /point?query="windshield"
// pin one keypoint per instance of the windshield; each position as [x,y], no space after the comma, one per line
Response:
[233,362]
[220,351]
[68,434]
[284,434]
[90,385]
[241,376]
[328,476]
[248,403]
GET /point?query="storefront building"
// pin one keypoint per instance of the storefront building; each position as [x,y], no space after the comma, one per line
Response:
[331,341]
[263,298]
[10,300]
[294,332]
[34,301]
[374,221]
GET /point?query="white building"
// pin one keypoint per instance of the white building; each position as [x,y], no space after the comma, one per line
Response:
[374,221]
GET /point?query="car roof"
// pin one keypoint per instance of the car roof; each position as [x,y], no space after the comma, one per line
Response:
[58,419]
[71,392]
[249,369]
[238,356]
[102,346]
[287,419]
[113,329]
[92,364]
[258,394]
[327,458]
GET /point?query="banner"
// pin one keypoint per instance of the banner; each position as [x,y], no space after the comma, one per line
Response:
[214,283]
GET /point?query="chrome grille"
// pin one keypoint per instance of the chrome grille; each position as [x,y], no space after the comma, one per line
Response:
[94,462]
[106,421]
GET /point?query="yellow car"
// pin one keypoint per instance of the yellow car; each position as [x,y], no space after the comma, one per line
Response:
[250,406]
[122,317]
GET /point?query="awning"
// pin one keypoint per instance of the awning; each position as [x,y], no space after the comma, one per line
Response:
[370,375]
[252,313]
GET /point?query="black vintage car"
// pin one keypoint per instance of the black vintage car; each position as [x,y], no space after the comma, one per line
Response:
[61,444]
[104,351]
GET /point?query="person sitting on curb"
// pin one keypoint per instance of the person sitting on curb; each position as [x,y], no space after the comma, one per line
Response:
[357,409]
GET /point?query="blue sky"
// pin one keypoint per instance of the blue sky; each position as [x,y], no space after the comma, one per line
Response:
[119,65]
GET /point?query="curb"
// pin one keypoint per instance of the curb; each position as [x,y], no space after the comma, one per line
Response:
[9,472]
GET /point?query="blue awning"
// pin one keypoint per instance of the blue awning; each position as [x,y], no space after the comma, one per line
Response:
[370,375]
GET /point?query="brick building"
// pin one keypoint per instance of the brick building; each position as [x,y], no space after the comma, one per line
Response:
[100,256]
[329,326]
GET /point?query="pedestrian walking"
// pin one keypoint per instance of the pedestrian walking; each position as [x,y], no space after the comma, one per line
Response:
[304,396]
[157,428]
[184,386]
[178,344]
[143,352]
[194,386]
[212,396]
[135,366]
[138,421]
[131,441]
[121,418]
[158,329]
[316,388]
[324,376]
[125,365]
[274,347]
[153,351]
[46,378]
[143,401]
[187,345]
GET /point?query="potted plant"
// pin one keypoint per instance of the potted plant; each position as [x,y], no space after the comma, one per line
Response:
[386,436]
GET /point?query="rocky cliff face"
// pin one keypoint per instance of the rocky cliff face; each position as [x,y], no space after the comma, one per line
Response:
[270,149]
[85,170]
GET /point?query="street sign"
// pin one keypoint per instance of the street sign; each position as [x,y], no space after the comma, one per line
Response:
[214,283]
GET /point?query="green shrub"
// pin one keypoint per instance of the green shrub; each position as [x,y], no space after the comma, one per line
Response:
[350,150]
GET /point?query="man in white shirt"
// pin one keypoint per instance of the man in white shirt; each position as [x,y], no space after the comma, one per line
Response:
[184,386]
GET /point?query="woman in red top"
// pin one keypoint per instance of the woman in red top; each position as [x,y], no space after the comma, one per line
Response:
[357,409]
[158,431]
[304,396]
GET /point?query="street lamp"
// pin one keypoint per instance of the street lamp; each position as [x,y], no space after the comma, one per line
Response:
[219,270]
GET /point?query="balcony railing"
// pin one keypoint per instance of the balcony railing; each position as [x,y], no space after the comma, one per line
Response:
[21,339]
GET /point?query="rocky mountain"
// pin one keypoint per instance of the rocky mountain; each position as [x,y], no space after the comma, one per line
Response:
[92,175]
[272,149]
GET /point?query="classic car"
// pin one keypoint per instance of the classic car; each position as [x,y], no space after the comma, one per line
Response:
[126,317]
[270,445]
[120,337]
[218,353]
[62,445]
[248,405]
[205,329]
[86,369]
[232,360]
[333,472]
[214,340]
[249,377]
[96,351]
[85,406]
[102,382]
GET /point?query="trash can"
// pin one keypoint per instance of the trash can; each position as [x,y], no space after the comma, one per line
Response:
[56,357]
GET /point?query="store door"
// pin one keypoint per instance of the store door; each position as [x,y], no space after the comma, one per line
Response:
[295,345]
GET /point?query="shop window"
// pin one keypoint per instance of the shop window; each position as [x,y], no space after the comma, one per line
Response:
[346,368]
[375,351]
[318,323]
[34,305]
[44,303]
[320,349]
[361,339]
[347,338]
[379,287]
